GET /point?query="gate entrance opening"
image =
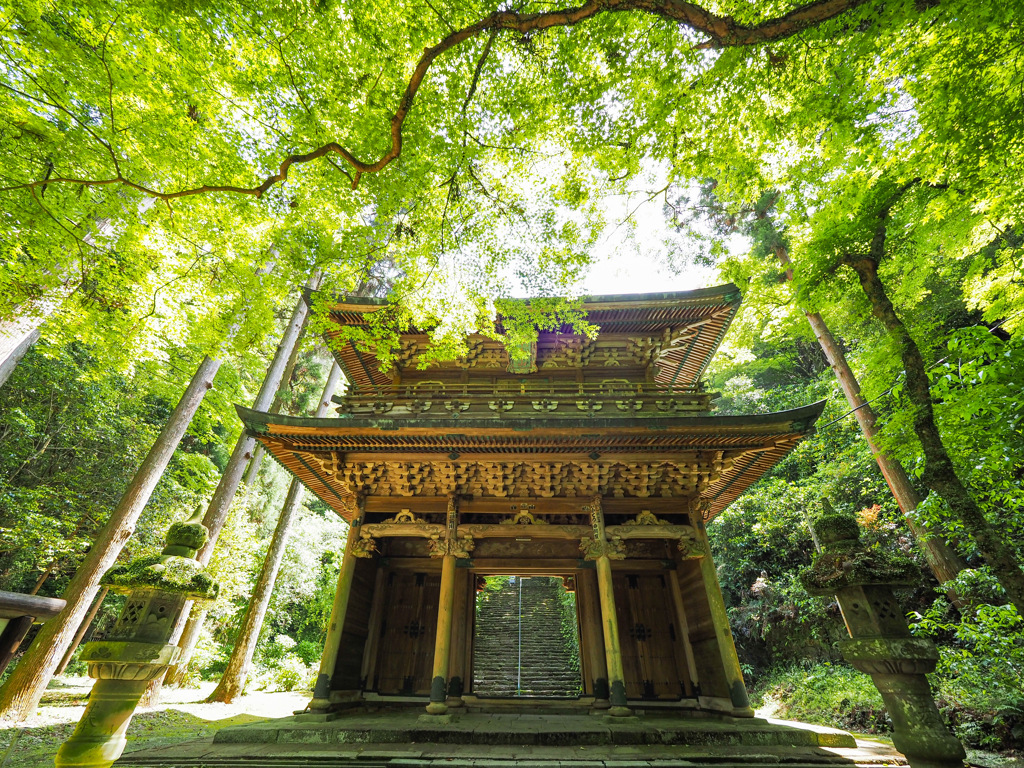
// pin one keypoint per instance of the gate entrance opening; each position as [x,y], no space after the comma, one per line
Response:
[526,638]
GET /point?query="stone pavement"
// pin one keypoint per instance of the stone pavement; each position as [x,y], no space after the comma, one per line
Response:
[404,739]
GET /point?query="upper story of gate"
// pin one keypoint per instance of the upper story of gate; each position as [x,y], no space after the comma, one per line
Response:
[647,360]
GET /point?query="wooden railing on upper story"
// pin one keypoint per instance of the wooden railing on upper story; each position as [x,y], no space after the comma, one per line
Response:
[517,399]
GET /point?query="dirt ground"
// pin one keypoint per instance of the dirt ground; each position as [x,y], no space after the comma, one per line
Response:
[179,716]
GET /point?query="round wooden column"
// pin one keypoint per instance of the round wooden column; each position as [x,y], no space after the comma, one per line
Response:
[684,632]
[460,629]
[592,636]
[723,632]
[443,638]
[322,689]
[612,649]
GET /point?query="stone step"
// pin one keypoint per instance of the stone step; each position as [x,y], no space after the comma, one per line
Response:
[358,761]
[407,739]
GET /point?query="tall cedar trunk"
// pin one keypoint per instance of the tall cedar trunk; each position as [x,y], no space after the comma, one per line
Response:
[20,695]
[939,473]
[257,457]
[14,343]
[942,558]
[220,505]
[82,630]
[232,683]
[19,332]
[43,578]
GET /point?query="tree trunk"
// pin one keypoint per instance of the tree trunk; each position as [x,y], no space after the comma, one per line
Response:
[939,473]
[257,457]
[14,343]
[186,636]
[942,558]
[43,577]
[82,630]
[20,695]
[232,683]
[21,331]
[220,505]
[185,633]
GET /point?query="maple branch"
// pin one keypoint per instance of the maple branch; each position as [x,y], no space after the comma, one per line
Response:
[110,95]
[721,31]
[877,249]
[479,67]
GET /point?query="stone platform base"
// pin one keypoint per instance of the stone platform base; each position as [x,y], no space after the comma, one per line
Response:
[402,739]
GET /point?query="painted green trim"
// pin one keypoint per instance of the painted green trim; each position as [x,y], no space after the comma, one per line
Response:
[738,475]
[719,294]
[799,420]
[362,364]
[718,342]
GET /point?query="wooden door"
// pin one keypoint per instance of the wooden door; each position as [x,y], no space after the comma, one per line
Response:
[408,626]
[648,635]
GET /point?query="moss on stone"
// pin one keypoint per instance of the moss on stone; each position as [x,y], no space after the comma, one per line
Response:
[841,566]
[173,574]
[835,527]
[187,534]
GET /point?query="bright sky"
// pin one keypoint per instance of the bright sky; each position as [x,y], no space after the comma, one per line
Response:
[638,263]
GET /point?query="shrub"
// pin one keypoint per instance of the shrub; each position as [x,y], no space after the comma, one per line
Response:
[290,673]
[978,677]
[835,695]
[309,652]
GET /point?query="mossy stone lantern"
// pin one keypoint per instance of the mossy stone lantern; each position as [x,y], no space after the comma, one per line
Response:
[137,650]
[862,578]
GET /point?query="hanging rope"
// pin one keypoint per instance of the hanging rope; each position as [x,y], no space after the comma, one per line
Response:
[519,663]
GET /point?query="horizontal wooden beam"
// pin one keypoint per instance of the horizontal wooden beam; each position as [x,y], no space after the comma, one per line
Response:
[650,531]
[421,505]
[15,604]
[414,530]
[499,531]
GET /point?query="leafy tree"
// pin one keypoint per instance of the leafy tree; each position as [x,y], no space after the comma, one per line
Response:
[71,434]
[452,158]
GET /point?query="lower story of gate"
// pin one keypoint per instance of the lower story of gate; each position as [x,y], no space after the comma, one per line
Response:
[641,614]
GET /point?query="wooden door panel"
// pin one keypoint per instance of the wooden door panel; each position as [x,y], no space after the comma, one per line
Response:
[648,636]
[408,627]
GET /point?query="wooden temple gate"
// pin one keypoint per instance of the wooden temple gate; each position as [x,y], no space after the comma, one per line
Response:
[594,459]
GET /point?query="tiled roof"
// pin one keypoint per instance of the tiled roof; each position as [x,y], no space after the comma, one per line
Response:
[698,321]
[728,452]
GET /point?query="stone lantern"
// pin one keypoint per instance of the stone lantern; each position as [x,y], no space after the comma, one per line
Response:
[137,650]
[862,578]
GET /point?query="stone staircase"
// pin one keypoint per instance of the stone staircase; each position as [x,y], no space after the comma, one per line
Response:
[547,666]
[410,739]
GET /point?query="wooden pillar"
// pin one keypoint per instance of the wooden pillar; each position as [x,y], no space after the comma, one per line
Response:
[602,551]
[372,648]
[684,631]
[448,549]
[443,639]
[457,655]
[612,649]
[329,659]
[723,632]
[592,636]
